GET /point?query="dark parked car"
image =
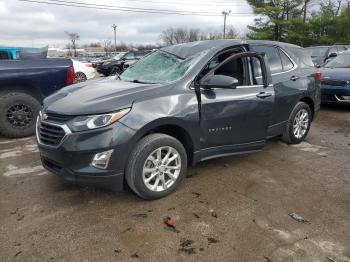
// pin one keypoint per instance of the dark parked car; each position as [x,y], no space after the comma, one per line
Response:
[23,86]
[335,86]
[119,63]
[175,107]
[321,54]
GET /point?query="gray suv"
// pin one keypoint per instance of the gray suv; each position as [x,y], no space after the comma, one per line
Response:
[175,107]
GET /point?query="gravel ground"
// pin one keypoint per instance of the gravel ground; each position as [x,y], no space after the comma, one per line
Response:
[229,209]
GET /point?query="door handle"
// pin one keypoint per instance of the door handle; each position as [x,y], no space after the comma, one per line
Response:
[294,78]
[263,95]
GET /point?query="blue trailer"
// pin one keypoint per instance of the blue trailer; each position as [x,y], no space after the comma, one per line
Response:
[23,53]
[9,53]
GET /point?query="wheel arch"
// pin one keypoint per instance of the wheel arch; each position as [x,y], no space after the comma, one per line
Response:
[310,103]
[23,88]
[171,128]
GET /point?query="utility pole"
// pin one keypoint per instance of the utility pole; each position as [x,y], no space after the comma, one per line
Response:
[115,37]
[225,15]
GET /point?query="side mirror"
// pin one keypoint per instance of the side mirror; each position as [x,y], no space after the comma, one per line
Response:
[332,55]
[219,81]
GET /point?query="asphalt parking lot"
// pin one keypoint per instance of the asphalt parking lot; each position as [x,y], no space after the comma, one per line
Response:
[229,209]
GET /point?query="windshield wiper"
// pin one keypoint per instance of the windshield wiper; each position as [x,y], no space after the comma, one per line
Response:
[141,82]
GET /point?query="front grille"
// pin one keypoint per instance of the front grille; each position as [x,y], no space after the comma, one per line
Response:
[50,134]
[58,118]
[335,82]
[328,98]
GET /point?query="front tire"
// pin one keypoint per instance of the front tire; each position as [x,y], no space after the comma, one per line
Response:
[116,70]
[298,124]
[157,166]
[18,112]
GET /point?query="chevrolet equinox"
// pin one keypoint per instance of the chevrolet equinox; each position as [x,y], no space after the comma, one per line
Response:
[175,107]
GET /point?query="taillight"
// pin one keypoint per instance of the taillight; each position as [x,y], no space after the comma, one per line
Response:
[88,65]
[70,76]
[319,75]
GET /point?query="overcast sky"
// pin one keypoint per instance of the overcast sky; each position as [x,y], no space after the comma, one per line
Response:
[32,24]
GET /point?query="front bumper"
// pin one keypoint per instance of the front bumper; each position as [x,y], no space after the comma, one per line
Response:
[71,158]
[104,69]
[335,95]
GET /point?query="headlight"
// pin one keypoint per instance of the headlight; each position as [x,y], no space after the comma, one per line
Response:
[107,62]
[82,123]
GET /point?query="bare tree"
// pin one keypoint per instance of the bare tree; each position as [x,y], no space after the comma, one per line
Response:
[73,37]
[107,46]
[167,36]
[231,33]
[173,36]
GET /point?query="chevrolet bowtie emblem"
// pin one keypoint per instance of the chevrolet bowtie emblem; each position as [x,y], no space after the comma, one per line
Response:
[44,116]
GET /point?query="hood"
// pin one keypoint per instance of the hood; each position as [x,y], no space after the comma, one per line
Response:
[336,73]
[99,96]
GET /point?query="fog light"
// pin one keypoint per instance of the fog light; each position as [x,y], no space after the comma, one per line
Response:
[101,160]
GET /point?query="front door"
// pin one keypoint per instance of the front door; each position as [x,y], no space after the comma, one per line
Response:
[237,119]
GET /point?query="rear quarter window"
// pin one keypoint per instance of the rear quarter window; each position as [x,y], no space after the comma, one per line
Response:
[286,62]
[301,56]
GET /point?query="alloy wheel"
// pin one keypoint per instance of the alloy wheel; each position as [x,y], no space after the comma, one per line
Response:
[79,77]
[301,123]
[161,169]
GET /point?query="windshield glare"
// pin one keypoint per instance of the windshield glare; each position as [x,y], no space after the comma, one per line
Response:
[317,51]
[160,67]
[340,61]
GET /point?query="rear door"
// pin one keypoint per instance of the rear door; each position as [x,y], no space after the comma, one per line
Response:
[235,120]
[287,79]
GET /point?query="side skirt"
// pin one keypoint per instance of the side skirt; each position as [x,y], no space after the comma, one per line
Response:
[227,150]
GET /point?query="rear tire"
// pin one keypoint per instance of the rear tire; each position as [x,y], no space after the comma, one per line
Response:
[79,77]
[18,112]
[298,124]
[150,178]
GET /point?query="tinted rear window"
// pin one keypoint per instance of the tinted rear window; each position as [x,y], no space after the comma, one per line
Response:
[272,56]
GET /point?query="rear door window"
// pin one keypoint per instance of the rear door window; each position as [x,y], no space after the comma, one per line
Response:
[333,49]
[272,55]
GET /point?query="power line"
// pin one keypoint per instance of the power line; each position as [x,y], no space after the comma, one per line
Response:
[126,9]
[243,3]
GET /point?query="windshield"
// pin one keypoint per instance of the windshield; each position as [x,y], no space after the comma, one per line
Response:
[317,51]
[341,61]
[160,67]
[119,56]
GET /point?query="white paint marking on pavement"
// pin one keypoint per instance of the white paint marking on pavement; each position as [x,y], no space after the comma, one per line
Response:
[21,171]
[307,147]
[11,154]
[6,142]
